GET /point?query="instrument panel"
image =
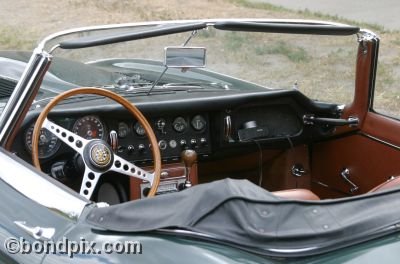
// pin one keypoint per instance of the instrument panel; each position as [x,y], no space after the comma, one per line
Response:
[174,134]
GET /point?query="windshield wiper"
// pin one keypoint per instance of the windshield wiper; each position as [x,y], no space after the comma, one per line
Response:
[137,84]
[90,97]
[138,89]
[197,85]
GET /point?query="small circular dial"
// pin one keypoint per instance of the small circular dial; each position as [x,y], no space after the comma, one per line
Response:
[89,127]
[160,124]
[139,129]
[123,129]
[179,124]
[198,122]
[48,143]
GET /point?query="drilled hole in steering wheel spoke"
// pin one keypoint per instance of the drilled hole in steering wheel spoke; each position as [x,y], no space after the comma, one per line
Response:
[91,176]
[78,144]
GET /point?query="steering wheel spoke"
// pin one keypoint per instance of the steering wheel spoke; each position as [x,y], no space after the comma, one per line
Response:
[89,182]
[76,142]
[125,167]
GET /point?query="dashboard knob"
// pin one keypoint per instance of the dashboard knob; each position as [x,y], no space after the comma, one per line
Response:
[183,143]
[203,141]
[141,147]
[193,142]
[131,149]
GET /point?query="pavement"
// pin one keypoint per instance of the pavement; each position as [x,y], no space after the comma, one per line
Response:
[381,12]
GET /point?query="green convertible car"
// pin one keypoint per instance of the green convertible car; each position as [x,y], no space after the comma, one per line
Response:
[199,141]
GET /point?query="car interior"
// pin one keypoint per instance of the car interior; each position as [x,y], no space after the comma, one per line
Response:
[281,140]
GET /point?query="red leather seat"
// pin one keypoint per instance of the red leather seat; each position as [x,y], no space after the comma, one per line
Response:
[304,194]
[297,194]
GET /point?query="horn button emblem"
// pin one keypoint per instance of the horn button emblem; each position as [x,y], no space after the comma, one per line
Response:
[100,155]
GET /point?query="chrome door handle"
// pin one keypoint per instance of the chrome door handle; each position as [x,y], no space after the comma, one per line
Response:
[37,232]
[345,175]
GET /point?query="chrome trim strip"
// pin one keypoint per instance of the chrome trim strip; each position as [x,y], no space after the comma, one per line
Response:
[184,232]
[380,140]
[39,189]
[291,250]
[366,35]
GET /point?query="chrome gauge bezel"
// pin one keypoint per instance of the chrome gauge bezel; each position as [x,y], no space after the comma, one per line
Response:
[83,119]
[194,122]
[138,129]
[28,146]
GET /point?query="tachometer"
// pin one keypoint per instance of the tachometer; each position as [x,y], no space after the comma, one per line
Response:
[48,143]
[89,127]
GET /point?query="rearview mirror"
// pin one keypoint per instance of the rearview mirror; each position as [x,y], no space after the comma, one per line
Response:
[185,57]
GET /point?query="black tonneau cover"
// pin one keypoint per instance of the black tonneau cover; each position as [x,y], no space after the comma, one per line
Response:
[244,215]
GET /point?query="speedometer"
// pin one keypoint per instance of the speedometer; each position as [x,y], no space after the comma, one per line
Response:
[89,127]
[48,143]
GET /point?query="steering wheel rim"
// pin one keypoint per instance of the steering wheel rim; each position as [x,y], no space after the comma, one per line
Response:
[85,147]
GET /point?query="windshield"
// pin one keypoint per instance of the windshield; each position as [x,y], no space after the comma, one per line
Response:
[320,66]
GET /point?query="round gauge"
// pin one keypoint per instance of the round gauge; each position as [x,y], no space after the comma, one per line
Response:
[89,127]
[160,124]
[198,122]
[48,142]
[123,129]
[139,129]
[179,124]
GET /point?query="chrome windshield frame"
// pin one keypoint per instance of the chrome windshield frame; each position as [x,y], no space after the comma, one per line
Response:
[43,44]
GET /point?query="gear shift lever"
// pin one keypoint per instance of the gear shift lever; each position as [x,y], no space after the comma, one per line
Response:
[189,157]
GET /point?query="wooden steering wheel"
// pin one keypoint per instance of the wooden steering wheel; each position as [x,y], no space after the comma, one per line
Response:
[97,155]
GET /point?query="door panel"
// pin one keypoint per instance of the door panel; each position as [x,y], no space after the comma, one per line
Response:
[383,128]
[371,151]
[369,161]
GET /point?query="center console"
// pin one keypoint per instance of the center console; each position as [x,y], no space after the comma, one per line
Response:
[172,179]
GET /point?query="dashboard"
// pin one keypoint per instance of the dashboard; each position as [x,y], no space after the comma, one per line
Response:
[214,126]
[174,134]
